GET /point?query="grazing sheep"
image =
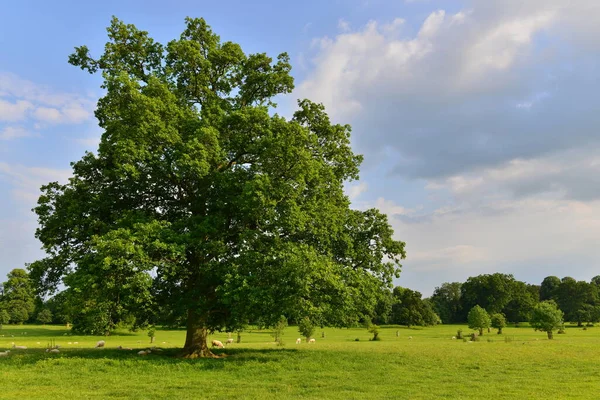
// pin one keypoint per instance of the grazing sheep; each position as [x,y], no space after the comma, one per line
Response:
[453,337]
[100,343]
[229,341]
[124,348]
[312,341]
[69,343]
[75,342]
[144,352]
[53,351]
[37,342]
[4,353]
[217,344]
[410,337]
[156,349]
[19,347]
[298,341]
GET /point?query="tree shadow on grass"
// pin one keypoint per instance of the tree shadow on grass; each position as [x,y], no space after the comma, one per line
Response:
[171,356]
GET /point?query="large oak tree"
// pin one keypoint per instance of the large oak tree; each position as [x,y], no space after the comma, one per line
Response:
[202,201]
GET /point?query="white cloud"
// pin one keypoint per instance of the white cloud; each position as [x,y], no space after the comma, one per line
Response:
[26,181]
[356,190]
[23,98]
[14,132]
[343,25]
[16,111]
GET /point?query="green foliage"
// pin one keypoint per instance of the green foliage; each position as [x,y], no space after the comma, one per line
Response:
[4,317]
[478,318]
[306,328]
[546,317]
[492,292]
[446,300]
[19,296]
[278,329]
[374,330]
[44,316]
[498,321]
[409,309]
[549,288]
[202,200]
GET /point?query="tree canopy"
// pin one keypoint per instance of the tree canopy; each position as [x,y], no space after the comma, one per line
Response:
[19,296]
[546,317]
[479,319]
[203,203]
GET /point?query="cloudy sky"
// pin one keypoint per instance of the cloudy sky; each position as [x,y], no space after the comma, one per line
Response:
[478,119]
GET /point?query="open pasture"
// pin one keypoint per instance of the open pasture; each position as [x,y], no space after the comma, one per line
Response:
[430,365]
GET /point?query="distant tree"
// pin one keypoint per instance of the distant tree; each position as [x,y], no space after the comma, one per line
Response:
[596,280]
[430,317]
[306,328]
[549,288]
[44,316]
[19,296]
[572,296]
[478,318]
[498,322]
[382,312]
[492,292]
[4,317]
[19,312]
[447,302]
[410,310]
[523,299]
[546,317]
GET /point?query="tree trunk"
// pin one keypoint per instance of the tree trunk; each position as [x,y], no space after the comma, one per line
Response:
[480,331]
[550,335]
[239,337]
[152,339]
[195,339]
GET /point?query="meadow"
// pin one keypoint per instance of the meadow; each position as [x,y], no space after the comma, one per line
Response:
[418,364]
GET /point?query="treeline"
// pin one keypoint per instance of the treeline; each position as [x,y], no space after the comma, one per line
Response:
[497,294]
[450,304]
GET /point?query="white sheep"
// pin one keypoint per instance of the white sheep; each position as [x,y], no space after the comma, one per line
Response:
[218,344]
[124,348]
[53,351]
[75,342]
[19,347]
[299,340]
[229,341]
[312,341]
[100,343]
[410,337]
[4,353]
[453,337]
[144,352]
[69,343]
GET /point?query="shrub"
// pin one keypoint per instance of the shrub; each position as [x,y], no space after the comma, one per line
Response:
[306,328]
[459,334]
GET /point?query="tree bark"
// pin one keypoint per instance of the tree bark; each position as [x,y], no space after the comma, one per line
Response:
[195,339]
[550,335]
[480,331]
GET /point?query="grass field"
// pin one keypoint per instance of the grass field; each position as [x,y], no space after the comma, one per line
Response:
[430,365]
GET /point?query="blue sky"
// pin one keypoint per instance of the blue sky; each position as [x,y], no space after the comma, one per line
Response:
[477,118]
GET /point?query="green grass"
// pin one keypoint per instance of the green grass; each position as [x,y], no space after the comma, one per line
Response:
[430,365]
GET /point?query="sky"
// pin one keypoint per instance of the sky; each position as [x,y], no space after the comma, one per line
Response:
[478,119]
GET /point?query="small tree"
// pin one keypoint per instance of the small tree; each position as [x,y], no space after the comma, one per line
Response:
[374,329]
[44,317]
[498,322]
[546,317]
[306,328]
[152,333]
[478,318]
[278,330]
[4,318]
